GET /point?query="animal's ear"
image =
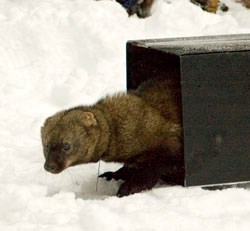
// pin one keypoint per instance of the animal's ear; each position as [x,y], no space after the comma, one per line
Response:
[89,119]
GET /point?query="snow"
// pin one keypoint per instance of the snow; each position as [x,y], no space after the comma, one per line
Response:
[55,54]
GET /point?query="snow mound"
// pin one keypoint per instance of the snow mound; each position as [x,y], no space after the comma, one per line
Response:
[56,54]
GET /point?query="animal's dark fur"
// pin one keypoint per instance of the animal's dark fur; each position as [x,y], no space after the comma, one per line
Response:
[141,129]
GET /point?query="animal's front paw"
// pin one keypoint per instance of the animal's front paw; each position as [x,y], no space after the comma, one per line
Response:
[124,190]
[128,188]
[108,175]
[121,174]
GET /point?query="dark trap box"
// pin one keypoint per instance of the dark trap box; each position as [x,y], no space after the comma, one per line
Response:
[214,77]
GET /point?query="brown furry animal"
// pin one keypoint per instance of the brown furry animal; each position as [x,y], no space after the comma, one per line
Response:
[141,129]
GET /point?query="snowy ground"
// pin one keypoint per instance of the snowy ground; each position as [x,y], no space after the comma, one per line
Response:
[58,53]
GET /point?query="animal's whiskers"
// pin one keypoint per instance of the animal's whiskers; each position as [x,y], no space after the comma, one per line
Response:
[98,173]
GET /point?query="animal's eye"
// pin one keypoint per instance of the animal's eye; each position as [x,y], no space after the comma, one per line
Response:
[66,147]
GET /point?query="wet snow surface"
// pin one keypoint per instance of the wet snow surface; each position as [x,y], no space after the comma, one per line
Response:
[55,54]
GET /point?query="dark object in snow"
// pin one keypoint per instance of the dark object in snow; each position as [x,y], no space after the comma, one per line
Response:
[224,7]
[141,129]
[210,5]
[140,7]
[213,74]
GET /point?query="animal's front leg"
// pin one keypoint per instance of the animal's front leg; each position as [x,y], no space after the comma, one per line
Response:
[143,179]
[174,175]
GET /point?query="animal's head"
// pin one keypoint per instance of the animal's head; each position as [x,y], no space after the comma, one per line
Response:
[69,138]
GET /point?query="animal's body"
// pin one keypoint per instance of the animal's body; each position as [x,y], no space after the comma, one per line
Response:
[141,129]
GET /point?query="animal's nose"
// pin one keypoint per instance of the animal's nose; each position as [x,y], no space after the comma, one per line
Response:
[50,167]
